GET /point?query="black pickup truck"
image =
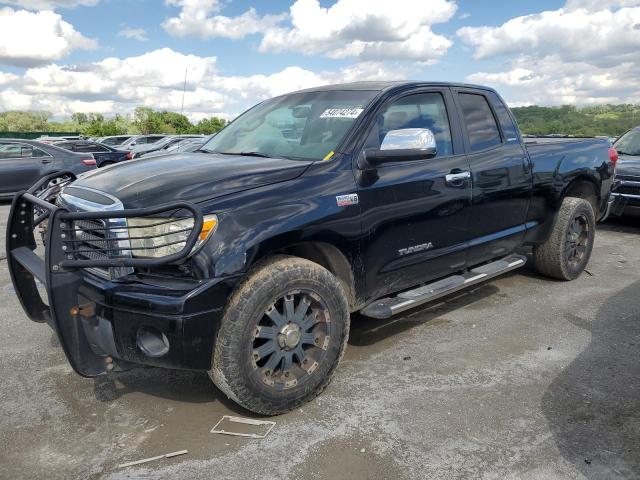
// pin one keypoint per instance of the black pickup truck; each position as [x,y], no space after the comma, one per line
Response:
[247,257]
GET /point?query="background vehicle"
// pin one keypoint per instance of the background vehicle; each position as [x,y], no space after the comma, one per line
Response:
[161,145]
[103,154]
[137,140]
[626,190]
[187,146]
[24,162]
[113,141]
[247,257]
[57,139]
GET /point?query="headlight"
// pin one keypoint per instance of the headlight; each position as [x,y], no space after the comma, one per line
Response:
[159,237]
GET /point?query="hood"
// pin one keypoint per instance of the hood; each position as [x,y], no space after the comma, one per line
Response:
[628,166]
[191,177]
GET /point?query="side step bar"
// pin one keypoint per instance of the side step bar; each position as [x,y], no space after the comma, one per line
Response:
[387,307]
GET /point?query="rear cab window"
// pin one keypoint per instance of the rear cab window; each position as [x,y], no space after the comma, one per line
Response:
[482,127]
[507,122]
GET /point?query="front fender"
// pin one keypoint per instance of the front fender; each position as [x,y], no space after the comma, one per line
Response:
[266,219]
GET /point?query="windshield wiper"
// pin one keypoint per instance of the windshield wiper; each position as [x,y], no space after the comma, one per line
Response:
[254,154]
[239,154]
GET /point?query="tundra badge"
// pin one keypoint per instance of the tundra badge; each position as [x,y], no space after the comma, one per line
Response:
[346,200]
[415,249]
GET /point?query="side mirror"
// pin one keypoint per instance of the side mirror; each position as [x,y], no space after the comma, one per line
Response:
[404,144]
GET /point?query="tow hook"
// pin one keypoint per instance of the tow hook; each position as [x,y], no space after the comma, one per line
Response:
[87,310]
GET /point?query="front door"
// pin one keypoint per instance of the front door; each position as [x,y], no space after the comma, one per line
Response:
[414,213]
[21,166]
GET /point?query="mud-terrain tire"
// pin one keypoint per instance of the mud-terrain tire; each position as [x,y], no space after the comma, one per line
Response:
[282,300]
[565,254]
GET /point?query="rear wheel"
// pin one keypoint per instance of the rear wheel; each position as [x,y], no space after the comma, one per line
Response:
[282,335]
[566,252]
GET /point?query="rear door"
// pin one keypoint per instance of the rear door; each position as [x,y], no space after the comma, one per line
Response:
[414,217]
[21,165]
[501,175]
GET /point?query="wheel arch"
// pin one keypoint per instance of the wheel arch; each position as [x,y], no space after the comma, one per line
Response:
[583,187]
[332,255]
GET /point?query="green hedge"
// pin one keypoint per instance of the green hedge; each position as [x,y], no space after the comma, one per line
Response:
[33,135]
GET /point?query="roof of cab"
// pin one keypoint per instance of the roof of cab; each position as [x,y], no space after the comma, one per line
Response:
[387,85]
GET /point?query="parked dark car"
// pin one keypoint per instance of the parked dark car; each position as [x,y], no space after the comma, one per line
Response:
[626,189]
[161,145]
[186,146]
[24,162]
[104,154]
[137,140]
[113,141]
[246,258]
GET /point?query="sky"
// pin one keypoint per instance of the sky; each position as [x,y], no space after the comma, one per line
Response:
[110,56]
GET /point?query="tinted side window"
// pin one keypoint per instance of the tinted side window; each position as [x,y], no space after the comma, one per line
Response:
[84,148]
[481,124]
[506,121]
[422,110]
[39,153]
[10,150]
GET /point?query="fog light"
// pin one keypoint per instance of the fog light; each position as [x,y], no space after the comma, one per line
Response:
[152,342]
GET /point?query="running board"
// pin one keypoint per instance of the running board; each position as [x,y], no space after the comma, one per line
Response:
[387,307]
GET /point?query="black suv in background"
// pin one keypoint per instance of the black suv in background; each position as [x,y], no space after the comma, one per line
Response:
[247,257]
[626,190]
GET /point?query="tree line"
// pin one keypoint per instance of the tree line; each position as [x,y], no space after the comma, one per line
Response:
[143,121]
[609,120]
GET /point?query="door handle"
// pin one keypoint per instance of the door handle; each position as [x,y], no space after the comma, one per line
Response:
[457,178]
[46,160]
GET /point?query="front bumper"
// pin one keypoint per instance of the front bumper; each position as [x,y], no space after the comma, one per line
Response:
[626,196]
[143,319]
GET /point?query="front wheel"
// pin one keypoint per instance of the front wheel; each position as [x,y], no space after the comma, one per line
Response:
[566,252]
[282,335]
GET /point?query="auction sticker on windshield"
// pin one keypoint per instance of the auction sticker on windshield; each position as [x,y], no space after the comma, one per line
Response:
[349,112]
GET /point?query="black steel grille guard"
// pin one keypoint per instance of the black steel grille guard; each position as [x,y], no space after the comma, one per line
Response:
[62,277]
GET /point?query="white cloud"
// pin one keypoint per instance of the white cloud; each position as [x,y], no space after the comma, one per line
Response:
[139,34]
[595,5]
[52,4]
[197,18]
[603,37]
[367,29]
[7,78]
[364,29]
[155,79]
[583,53]
[551,81]
[32,38]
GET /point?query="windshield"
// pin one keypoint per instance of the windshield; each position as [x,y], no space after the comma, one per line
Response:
[629,143]
[305,126]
